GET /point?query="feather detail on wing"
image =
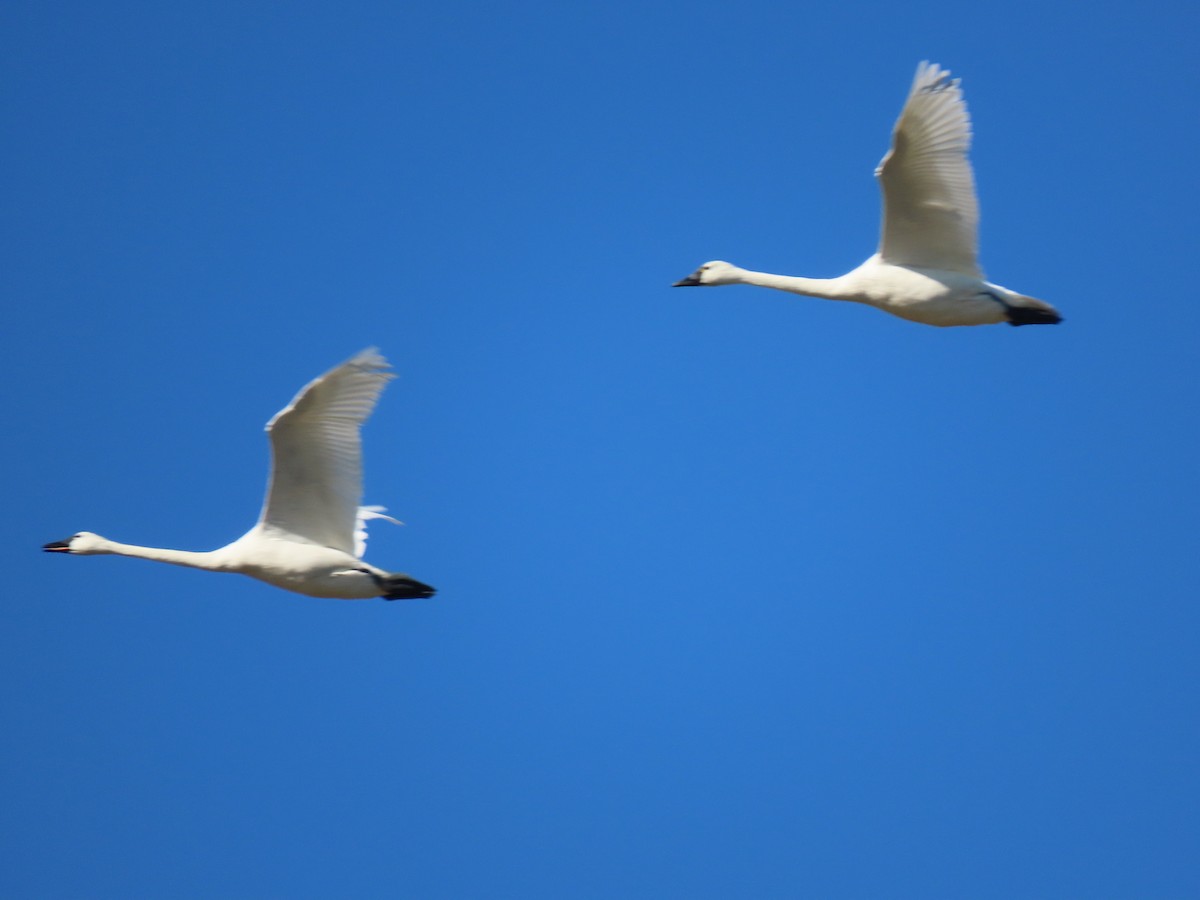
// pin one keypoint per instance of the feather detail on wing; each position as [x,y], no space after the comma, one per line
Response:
[930,213]
[360,526]
[315,486]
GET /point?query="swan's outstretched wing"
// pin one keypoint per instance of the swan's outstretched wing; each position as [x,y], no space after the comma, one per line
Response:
[930,214]
[316,454]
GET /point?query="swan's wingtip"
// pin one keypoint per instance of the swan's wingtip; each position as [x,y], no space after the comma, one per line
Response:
[370,358]
[931,77]
[376,512]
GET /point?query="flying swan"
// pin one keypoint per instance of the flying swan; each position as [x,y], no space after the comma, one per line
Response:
[312,530]
[926,269]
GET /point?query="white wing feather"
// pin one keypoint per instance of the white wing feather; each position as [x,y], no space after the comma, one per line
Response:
[360,526]
[315,486]
[930,213]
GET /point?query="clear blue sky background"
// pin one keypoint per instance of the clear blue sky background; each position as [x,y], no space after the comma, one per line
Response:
[741,594]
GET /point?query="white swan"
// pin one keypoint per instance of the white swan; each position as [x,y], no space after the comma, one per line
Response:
[312,530]
[926,269]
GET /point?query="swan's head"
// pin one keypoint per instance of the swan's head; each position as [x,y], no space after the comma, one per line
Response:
[712,273]
[83,543]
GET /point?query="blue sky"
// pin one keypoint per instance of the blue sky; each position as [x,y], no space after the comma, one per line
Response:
[741,594]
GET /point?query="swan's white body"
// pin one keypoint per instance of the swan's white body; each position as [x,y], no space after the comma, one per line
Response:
[926,269]
[311,532]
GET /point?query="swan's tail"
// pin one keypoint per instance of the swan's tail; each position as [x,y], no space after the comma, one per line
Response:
[402,587]
[1022,310]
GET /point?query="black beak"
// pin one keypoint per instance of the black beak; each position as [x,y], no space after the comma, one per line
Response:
[690,281]
[57,547]
[402,587]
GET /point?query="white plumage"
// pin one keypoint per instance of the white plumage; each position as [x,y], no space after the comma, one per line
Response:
[312,530]
[927,268]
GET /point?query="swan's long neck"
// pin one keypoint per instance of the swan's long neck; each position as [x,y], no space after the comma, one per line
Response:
[828,288]
[211,559]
